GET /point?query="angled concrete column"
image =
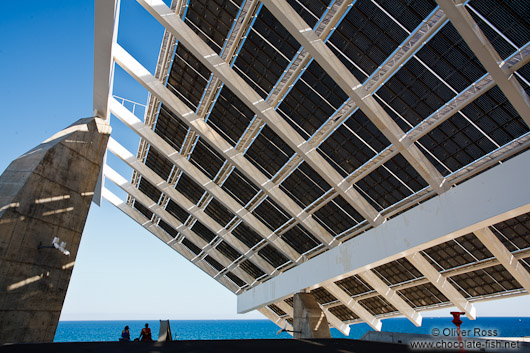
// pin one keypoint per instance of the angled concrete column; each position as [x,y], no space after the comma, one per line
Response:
[309,321]
[45,193]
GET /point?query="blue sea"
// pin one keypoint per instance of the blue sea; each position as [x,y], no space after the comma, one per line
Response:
[93,331]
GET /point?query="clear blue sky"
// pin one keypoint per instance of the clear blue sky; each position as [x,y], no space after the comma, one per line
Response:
[122,271]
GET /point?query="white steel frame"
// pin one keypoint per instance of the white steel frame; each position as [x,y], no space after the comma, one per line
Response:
[461,210]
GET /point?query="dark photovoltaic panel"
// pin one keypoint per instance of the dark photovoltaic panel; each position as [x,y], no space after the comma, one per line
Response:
[353,285]
[272,256]
[158,163]
[188,77]
[353,144]
[262,58]
[238,281]
[203,232]
[397,271]
[168,229]
[458,252]
[251,269]
[312,100]
[337,216]
[408,13]
[510,16]
[483,282]
[218,212]
[246,235]
[268,152]
[240,187]
[304,185]
[343,313]
[195,249]
[322,296]
[423,295]
[300,239]
[171,128]
[214,263]
[229,116]
[213,18]
[514,233]
[366,37]
[271,214]
[377,305]
[206,159]
[189,188]
[277,310]
[310,11]
[228,251]
[177,211]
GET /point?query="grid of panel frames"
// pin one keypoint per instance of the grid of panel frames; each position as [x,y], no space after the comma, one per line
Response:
[363,40]
[465,261]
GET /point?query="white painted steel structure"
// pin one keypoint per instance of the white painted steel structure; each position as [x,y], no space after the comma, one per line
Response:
[350,271]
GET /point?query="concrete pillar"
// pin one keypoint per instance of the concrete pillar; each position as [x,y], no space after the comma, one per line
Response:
[45,193]
[309,319]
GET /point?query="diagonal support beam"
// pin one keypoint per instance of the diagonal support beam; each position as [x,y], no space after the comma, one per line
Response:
[154,207]
[260,107]
[160,234]
[181,200]
[280,322]
[353,305]
[443,285]
[392,297]
[206,183]
[505,257]
[488,56]
[354,89]
[136,70]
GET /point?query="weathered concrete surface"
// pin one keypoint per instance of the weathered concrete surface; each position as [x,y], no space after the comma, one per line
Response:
[45,193]
[309,320]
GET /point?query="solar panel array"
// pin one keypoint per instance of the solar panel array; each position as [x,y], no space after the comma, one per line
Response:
[441,97]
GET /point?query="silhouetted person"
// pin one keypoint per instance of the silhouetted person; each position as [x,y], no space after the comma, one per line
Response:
[145,335]
[125,335]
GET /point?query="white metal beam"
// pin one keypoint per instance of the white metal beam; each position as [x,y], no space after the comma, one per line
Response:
[160,234]
[181,200]
[497,248]
[488,56]
[280,322]
[164,215]
[391,296]
[353,305]
[461,210]
[206,183]
[442,283]
[264,111]
[320,52]
[208,134]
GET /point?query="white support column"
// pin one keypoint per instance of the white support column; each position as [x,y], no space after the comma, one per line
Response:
[264,111]
[160,234]
[488,56]
[181,200]
[442,284]
[175,223]
[461,210]
[392,297]
[282,323]
[206,183]
[353,305]
[208,134]
[505,257]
